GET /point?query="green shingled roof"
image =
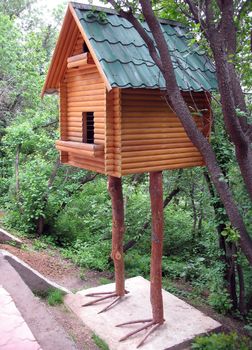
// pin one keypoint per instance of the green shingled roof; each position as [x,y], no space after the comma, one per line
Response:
[125,58]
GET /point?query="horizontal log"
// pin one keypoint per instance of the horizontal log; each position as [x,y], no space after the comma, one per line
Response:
[150,131]
[74,122]
[79,80]
[91,103]
[84,82]
[97,161]
[86,166]
[83,73]
[86,92]
[126,125]
[74,128]
[160,162]
[77,57]
[74,133]
[146,108]
[152,136]
[74,139]
[157,141]
[87,109]
[80,151]
[132,115]
[86,98]
[84,87]
[160,158]
[161,167]
[157,147]
[81,145]
[73,115]
[157,152]
[77,64]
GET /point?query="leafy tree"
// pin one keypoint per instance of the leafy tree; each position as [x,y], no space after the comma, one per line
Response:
[222,39]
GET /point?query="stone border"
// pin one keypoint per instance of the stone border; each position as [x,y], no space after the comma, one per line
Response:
[6,237]
[35,280]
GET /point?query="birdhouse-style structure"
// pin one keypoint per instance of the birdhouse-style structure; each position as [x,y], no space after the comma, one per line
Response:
[114,115]
[115,119]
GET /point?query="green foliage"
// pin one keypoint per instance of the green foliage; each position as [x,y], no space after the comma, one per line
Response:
[87,216]
[220,301]
[99,342]
[231,234]
[78,217]
[137,263]
[39,245]
[92,255]
[248,325]
[54,297]
[222,341]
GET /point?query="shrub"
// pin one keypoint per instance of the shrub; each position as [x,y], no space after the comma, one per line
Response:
[54,297]
[222,341]
[92,255]
[220,301]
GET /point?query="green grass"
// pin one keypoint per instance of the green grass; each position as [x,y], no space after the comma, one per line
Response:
[99,342]
[104,280]
[54,297]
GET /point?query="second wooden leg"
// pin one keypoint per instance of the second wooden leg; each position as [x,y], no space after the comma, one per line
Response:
[156,197]
[118,228]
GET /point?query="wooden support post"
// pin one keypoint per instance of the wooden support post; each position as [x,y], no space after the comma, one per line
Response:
[115,191]
[156,196]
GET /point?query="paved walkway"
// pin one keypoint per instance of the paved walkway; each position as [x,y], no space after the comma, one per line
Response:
[25,322]
[14,331]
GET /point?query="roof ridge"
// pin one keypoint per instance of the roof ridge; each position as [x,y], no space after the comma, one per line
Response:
[81,6]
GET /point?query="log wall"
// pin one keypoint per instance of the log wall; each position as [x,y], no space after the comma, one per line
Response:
[113,133]
[152,136]
[84,91]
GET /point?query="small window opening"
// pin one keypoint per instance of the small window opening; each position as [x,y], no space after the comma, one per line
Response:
[88,127]
[85,48]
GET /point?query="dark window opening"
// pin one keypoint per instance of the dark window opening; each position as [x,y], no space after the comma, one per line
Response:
[88,127]
[84,47]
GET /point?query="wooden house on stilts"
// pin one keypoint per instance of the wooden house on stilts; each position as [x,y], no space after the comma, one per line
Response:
[115,119]
[114,116]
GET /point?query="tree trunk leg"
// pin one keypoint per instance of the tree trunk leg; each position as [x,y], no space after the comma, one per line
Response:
[115,192]
[156,197]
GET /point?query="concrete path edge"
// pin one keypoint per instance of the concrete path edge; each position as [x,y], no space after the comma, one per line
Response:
[34,279]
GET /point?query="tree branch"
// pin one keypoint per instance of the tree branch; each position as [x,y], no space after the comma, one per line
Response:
[129,16]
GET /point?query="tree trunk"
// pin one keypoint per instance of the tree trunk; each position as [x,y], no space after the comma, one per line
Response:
[191,129]
[156,196]
[232,122]
[160,54]
[40,225]
[115,192]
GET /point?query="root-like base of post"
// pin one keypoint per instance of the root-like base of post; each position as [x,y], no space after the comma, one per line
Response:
[150,324]
[100,296]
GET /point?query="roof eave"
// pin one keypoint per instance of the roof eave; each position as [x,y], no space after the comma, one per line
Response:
[47,86]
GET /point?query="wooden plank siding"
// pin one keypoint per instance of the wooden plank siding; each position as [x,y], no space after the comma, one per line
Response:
[152,137]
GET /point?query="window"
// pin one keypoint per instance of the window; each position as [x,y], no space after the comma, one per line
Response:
[88,127]
[85,48]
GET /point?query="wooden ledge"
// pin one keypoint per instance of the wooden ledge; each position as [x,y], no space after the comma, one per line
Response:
[79,60]
[84,149]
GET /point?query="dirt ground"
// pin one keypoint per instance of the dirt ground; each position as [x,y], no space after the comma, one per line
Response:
[51,264]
